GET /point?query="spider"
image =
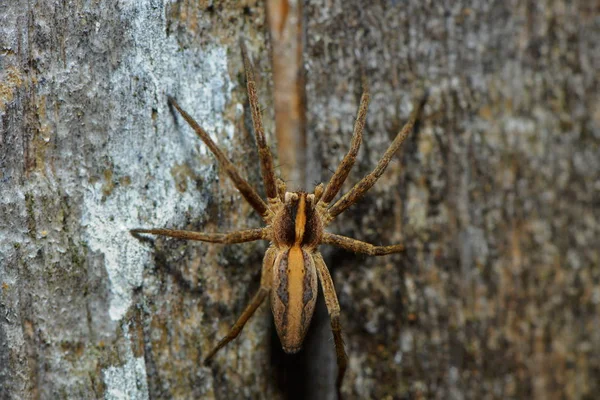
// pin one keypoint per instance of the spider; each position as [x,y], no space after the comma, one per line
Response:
[295,227]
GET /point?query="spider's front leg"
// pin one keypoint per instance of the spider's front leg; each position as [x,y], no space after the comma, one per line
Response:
[264,153]
[240,183]
[259,297]
[333,308]
[342,171]
[368,181]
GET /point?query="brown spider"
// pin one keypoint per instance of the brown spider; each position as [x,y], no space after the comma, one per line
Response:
[295,226]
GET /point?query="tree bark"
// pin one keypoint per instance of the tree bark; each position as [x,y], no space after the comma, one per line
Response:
[90,149]
[495,195]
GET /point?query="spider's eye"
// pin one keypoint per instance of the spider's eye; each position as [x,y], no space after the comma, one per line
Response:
[290,197]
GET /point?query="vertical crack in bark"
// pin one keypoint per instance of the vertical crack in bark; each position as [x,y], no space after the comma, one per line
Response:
[285,20]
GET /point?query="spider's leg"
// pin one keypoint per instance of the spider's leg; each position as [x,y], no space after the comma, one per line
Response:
[333,307]
[264,153]
[240,183]
[356,246]
[259,297]
[248,235]
[368,181]
[340,175]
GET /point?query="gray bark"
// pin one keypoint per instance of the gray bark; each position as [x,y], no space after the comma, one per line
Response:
[496,196]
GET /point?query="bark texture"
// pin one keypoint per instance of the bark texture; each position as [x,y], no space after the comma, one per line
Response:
[496,196]
[89,150]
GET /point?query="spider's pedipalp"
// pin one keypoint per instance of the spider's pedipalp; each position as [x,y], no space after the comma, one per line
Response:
[318,192]
[240,183]
[281,189]
[368,181]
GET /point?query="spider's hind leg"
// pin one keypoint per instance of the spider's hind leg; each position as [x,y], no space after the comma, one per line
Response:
[333,307]
[259,297]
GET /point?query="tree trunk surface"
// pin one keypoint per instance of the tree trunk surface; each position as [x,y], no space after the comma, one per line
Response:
[495,195]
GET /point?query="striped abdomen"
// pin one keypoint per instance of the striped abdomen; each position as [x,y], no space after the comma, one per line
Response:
[293,296]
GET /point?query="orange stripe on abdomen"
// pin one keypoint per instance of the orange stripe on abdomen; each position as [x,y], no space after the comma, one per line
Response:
[295,289]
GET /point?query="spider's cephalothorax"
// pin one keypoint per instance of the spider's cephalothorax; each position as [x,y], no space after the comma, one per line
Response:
[297,223]
[297,230]
[295,226]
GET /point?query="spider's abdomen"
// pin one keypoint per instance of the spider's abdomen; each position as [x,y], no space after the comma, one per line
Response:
[293,296]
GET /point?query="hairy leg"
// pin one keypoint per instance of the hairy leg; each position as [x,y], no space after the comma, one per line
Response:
[340,175]
[249,235]
[240,183]
[368,181]
[264,153]
[259,297]
[333,307]
[356,246]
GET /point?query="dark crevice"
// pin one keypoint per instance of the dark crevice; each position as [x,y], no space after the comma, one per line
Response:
[311,373]
[288,369]
[306,374]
